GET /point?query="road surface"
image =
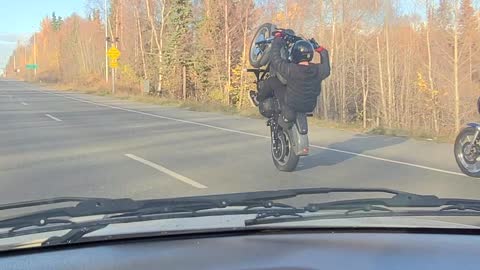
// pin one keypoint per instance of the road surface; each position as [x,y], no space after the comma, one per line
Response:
[56,143]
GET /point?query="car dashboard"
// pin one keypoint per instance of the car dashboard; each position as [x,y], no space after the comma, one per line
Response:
[273,250]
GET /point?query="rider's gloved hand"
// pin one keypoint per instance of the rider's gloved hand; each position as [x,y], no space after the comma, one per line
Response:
[279,34]
[320,49]
[316,46]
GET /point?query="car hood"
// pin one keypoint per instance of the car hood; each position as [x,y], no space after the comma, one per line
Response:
[238,222]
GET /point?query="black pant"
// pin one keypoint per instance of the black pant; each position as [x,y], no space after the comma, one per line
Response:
[273,87]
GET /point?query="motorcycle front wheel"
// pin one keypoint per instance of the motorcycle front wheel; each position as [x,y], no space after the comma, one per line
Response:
[259,54]
[467,153]
[283,155]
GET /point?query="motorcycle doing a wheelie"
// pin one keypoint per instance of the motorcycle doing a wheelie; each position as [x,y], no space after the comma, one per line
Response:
[467,148]
[289,141]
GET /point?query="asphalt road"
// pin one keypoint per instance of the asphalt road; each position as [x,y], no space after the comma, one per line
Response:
[55,143]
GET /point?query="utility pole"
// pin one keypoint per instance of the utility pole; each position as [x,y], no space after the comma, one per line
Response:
[14,63]
[184,82]
[106,40]
[35,54]
[113,59]
[113,79]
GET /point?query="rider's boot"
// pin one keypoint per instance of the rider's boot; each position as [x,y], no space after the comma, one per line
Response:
[253,98]
[284,123]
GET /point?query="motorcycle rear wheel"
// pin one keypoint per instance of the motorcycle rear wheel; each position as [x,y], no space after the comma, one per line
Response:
[283,155]
[259,55]
[466,156]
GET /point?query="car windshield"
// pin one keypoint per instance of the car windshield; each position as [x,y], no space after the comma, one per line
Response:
[147,115]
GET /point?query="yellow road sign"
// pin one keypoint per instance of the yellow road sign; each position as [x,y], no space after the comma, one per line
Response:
[113,63]
[113,53]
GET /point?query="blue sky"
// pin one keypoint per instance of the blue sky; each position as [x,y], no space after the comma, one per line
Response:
[20,18]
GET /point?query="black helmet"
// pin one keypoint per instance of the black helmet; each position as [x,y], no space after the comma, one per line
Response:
[302,51]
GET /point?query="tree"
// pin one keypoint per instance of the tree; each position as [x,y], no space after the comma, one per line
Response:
[56,22]
[177,49]
[468,28]
[389,68]
[444,16]
[467,21]
[455,68]
[434,97]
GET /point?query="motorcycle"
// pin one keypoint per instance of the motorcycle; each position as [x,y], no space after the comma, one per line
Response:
[467,148]
[289,141]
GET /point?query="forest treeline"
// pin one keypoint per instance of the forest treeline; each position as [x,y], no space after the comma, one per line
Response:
[416,70]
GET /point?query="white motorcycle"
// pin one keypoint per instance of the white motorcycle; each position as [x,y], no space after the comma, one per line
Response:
[467,148]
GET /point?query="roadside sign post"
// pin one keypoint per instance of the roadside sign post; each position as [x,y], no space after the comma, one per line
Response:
[113,54]
[35,55]
[106,38]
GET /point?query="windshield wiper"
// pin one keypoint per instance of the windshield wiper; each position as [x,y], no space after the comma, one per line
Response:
[410,205]
[85,207]
[130,207]
[72,236]
[262,203]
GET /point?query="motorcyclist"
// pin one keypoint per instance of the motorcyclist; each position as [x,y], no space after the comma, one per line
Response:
[303,78]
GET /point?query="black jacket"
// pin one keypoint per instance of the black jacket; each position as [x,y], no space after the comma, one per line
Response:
[303,82]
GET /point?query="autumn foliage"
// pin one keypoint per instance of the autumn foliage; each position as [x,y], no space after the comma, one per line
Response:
[414,70]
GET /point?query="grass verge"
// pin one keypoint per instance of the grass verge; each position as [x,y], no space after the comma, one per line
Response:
[249,112]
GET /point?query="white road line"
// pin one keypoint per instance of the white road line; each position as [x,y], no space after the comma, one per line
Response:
[24,103]
[53,117]
[158,116]
[9,96]
[259,136]
[389,160]
[167,171]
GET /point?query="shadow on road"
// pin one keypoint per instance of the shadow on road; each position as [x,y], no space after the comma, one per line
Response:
[358,144]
